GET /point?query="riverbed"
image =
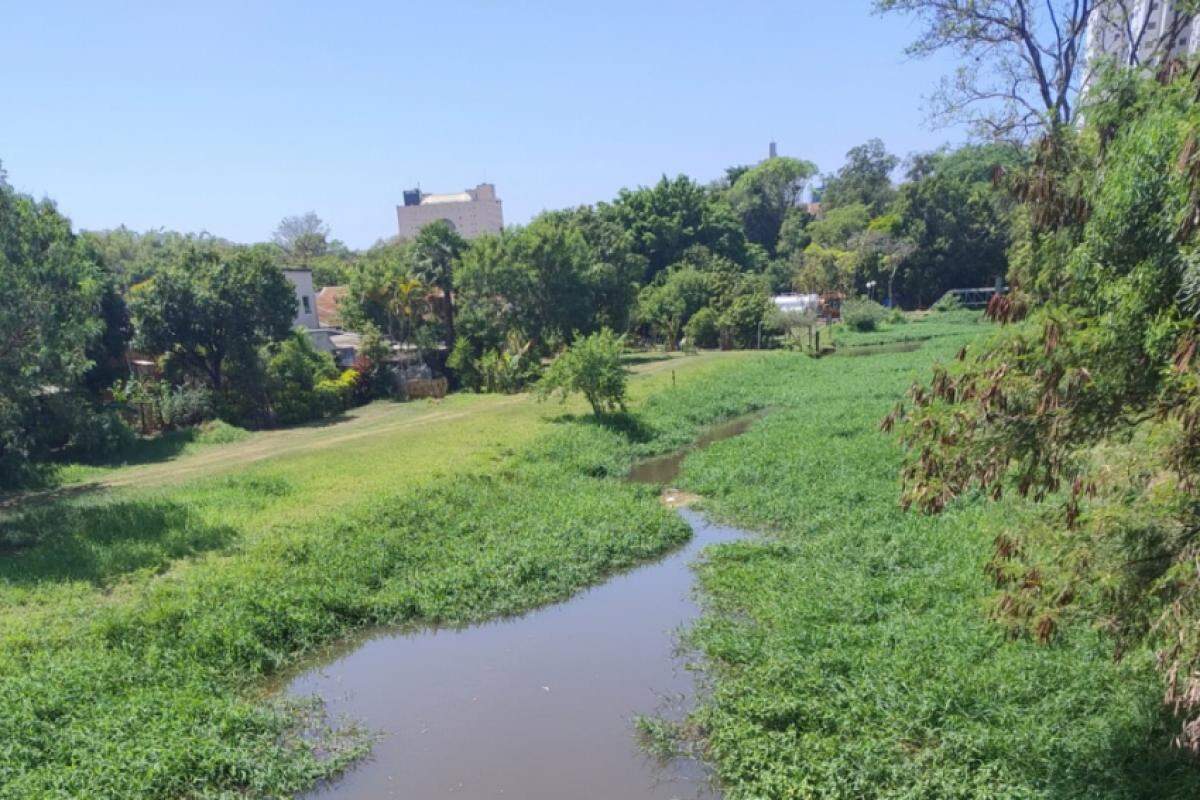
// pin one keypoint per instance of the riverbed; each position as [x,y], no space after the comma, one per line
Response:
[537,707]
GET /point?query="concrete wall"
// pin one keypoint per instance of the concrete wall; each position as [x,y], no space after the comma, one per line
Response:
[306,298]
[472,213]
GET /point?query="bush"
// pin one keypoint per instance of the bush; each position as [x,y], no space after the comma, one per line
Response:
[863,314]
[948,302]
[220,432]
[97,436]
[184,406]
[592,366]
[897,317]
[294,371]
[702,329]
[335,395]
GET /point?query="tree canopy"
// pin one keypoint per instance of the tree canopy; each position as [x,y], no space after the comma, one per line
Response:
[212,307]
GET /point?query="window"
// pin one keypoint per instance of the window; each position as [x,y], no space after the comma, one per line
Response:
[307,306]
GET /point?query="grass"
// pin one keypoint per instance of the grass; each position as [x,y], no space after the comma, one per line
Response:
[849,650]
[138,626]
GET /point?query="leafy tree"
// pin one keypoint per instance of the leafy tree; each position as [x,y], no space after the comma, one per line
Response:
[302,238]
[704,328]
[864,180]
[838,226]
[591,366]
[53,289]
[1088,400]
[132,257]
[436,252]
[665,220]
[958,223]
[793,234]
[763,195]
[210,308]
[667,304]
[384,294]
[823,269]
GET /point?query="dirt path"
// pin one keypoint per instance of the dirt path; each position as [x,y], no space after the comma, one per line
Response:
[369,422]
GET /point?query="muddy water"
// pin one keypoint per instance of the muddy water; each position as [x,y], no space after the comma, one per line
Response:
[664,469]
[538,707]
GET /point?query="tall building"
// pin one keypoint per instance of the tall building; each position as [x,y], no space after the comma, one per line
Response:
[1156,29]
[470,213]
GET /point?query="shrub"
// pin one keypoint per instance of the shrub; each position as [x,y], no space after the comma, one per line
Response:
[702,329]
[592,366]
[948,302]
[220,432]
[335,395]
[97,435]
[863,314]
[184,406]
[294,371]
[897,317]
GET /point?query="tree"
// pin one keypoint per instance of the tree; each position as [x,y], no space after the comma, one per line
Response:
[436,253]
[210,308]
[592,367]
[763,195]
[1087,401]
[132,257]
[668,303]
[665,220]
[384,294]
[865,179]
[958,222]
[303,239]
[1023,61]
[53,287]
[836,228]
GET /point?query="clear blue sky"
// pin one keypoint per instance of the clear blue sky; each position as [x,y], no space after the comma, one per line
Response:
[227,116]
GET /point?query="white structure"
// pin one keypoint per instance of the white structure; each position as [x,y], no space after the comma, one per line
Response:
[797,302]
[471,213]
[1153,27]
[341,345]
[306,298]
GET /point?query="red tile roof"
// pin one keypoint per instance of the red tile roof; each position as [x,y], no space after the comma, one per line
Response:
[327,306]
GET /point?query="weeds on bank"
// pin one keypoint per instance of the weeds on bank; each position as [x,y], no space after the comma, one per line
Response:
[134,633]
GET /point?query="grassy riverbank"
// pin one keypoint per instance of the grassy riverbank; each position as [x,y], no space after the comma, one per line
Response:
[849,648]
[137,626]
[850,651]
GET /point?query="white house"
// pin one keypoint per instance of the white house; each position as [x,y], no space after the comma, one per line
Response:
[306,299]
[341,345]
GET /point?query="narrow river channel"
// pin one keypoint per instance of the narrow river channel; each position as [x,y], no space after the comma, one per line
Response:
[537,707]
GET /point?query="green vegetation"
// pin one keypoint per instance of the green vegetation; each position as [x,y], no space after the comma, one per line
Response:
[592,367]
[136,628]
[849,648]
[862,314]
[1089,402]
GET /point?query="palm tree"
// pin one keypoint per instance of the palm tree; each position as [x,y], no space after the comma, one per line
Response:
[436,252]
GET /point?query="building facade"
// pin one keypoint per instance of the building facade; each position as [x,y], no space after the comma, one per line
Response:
[306,299]
[1141,32]
[470,213]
